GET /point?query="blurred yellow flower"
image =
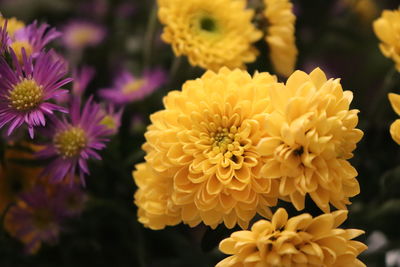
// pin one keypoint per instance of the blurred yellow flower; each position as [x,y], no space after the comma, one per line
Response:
[203,147]
[297,241]
[280,35]
[387,29]
[211,33]
[311,135]
[153,198]
[395,127]
[13,25]
[367,10]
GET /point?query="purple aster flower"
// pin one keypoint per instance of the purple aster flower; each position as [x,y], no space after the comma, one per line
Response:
[71,197]
[79,34]
[128,88]
[36,218]
[33,38]
[27,88]
[75,141]
[112,118]
[4,38]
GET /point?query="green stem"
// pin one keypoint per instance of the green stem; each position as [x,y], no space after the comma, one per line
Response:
[148,39]
[174,68]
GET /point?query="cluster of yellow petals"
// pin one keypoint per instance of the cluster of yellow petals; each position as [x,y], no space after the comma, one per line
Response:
[311,135]
[387,29]
[211,33]
[294,242]
[395,127]
[204,145]
[229,145]
[281,35]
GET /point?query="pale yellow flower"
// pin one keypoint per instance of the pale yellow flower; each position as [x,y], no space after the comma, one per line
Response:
[294,242]
[211,33]
[395,127]
[311,135]
[280,35]
[204,144]
[387,29]
[367,10]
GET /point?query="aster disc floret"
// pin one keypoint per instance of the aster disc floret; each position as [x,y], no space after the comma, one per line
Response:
[74,142]
[211,33]
[204,143]
[79,34]
[294,242]
[387,29]
[27,89]
[280,35]
[311,135]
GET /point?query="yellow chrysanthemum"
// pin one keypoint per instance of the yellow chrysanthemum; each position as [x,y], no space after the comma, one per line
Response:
[280,35]
[311,135]
[204,144]
[387,29]
[13,25]
[395,127]
[211,33]
[153,198]
[294,242]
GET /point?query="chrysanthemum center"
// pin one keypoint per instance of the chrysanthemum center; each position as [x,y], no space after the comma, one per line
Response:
[133,86]
[69,143]
[26,95]
[225,141]
[206,24]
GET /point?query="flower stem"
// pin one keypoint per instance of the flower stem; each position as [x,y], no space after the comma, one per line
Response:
[148,39]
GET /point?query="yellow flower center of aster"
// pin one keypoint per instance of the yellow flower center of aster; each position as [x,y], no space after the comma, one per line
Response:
[17,47]
[26,95]
[109,122]
[69,143]
[42,218]
[226,142]
[13,25]
[133,86]
[81,36]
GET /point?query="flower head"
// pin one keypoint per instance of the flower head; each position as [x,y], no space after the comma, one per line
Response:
[388,31]
[310,137]
[395,127]
[112,118]
[211,33]
[35,219]
[206,151]
[81,34]
[128,88]
[32,39]
[75,141]
[82,78]
[296,241]
[27,88]
[280,35]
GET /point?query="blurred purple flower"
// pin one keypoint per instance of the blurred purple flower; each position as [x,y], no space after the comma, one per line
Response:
[78,34]
[112,118]
[128,88]
[34,219]
[74,142]
[4,38]
[82,78]
[27,88]
[72,198]
[33,38]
